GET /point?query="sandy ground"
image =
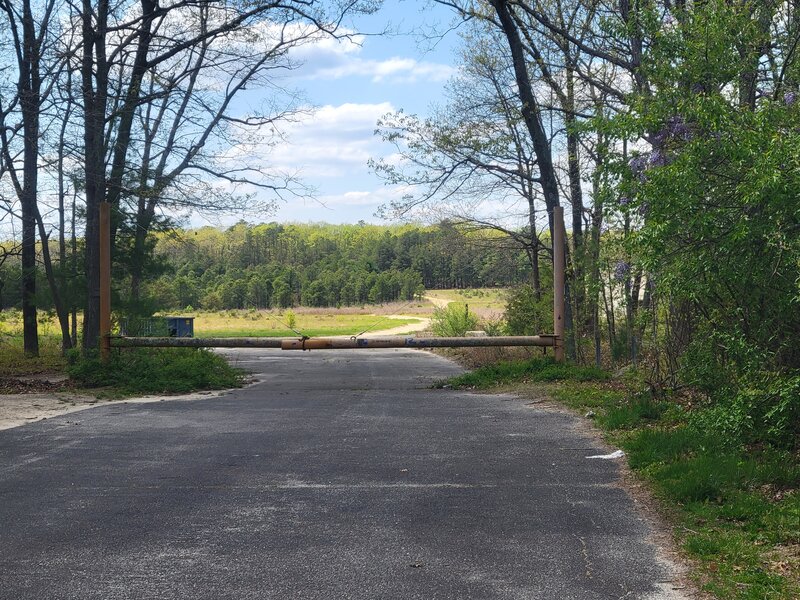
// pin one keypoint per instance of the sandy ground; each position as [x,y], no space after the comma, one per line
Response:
[437,302]
[19,409]
[422,324]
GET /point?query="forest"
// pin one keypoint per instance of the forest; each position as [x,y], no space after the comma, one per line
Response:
[273,265]
[285,265]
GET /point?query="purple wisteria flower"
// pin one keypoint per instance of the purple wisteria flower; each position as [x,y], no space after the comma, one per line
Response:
[621,270]
[789,98]
[668,20]
[676,128]
[660,137]
[679,129]
[644,208]
[638,164]
[624,201]
[658,158]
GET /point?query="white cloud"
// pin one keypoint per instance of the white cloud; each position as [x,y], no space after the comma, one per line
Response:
[396,70]
[327,148]
[345,207]
[332,141]
[332,59]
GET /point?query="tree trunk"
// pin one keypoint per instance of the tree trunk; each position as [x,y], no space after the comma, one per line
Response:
[29,94]
[30,332]
[576,198]
[530,109]
[144,219]
[94,81]
[61,311]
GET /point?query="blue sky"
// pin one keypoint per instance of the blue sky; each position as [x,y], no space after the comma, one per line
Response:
[351,85]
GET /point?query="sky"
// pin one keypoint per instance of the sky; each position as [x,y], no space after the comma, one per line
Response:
[351,84]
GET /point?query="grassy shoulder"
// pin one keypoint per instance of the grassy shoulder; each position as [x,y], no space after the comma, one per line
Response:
[735,511]
[154,371]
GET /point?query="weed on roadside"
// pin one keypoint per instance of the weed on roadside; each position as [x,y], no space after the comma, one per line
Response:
[534,369]
[147,370]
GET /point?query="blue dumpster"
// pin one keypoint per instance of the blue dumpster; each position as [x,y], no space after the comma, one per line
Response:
[180,326]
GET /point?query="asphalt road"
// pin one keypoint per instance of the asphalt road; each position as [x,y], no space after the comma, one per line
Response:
[336,476]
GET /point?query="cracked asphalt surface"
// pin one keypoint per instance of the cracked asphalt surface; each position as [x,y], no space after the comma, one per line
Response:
[335,476]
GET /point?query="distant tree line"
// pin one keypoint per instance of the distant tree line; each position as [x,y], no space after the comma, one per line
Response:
[280,266]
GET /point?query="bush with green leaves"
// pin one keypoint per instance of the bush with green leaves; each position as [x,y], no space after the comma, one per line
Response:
[526,314]
[155,370]
[454,320]
[712,201]
[493,326]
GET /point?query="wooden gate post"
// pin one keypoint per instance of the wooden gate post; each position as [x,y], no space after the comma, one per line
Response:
[105,280]
[559,266]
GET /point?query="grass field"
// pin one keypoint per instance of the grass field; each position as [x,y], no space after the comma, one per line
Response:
[322,322]
[481,301]
[14,363]
[312,322]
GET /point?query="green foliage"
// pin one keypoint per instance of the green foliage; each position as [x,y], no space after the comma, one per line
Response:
[764,409]
[493,327]
[146,370]
[282,266]
[526,314]
[713,209]
[534,369]
[454,320]
[290,318]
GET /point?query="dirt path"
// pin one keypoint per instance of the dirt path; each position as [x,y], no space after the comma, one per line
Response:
[18,409]
[437,302]
[422,324]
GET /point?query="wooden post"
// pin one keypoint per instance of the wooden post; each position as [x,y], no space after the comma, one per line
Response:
[105,281]
[559,266]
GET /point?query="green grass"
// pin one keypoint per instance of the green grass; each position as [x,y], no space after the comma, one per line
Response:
[534,369]
[735,511]
[155,370]
[274,323]
[493,299]
[14,363]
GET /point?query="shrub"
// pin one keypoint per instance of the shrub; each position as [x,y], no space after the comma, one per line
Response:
[527,315]
[454,320]
[764,409]
[148,370]
[493,326]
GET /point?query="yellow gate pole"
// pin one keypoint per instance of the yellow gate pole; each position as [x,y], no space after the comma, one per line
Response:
[559,266]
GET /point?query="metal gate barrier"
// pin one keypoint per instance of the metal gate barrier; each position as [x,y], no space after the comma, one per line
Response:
[335,343]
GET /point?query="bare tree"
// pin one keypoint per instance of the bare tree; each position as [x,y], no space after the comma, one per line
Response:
[120,46]
[472,163]
[29,39]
